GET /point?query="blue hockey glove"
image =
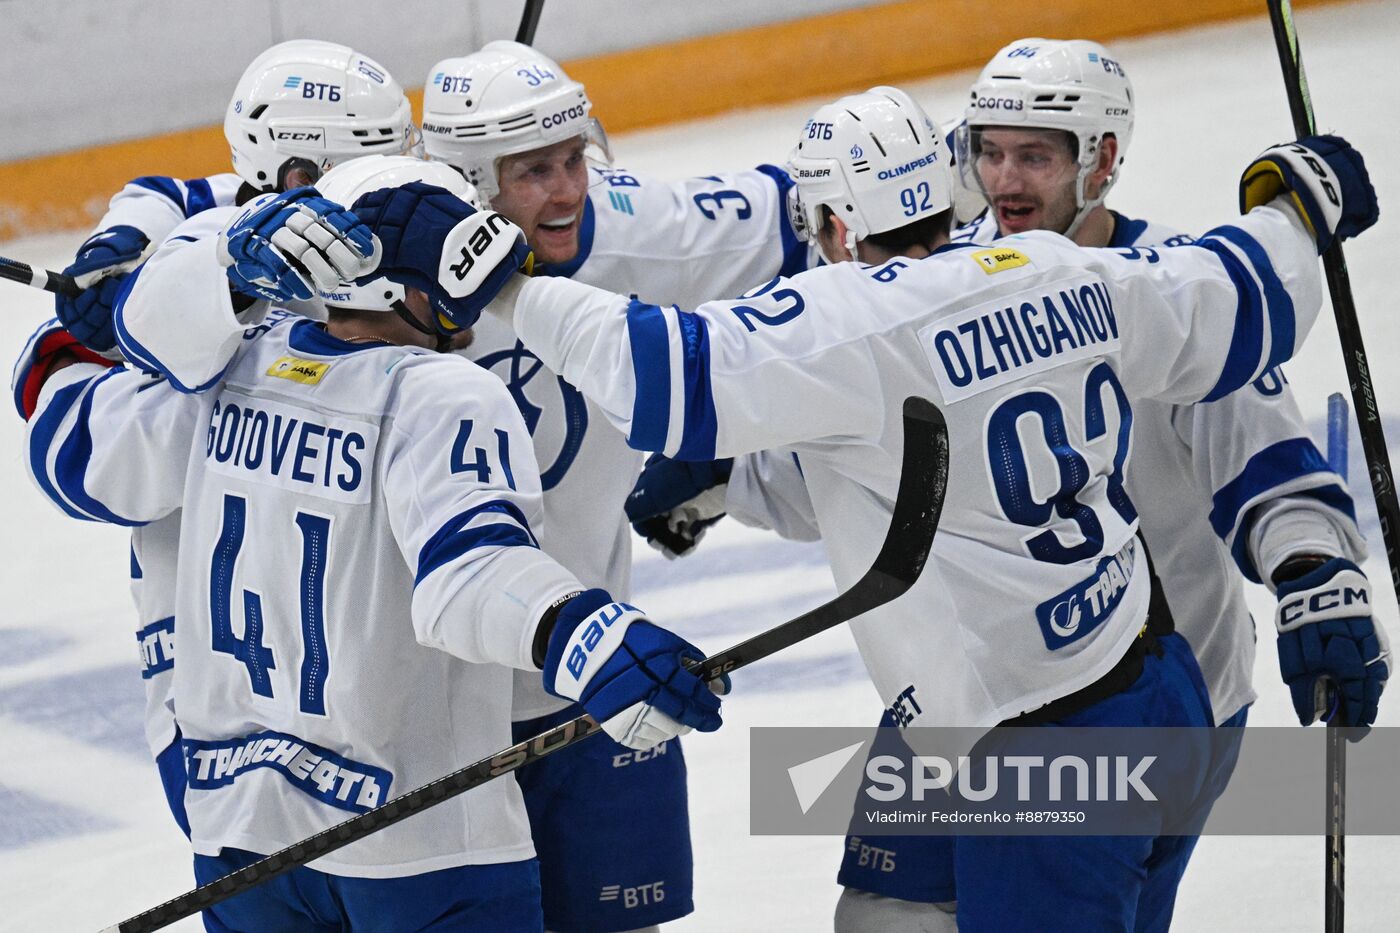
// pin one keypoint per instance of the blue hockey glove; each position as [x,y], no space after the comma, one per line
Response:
[626,673]
[1327,180]
[439,244]
[1326,633]
[675,502]
[100,270]
[294,245]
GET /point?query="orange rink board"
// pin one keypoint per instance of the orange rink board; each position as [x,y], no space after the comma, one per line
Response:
[828,54]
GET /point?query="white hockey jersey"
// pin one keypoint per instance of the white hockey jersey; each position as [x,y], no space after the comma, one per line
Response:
[156,205]
[154,548]
[1032,347]
[1196,472]
[347,510]
[684,242]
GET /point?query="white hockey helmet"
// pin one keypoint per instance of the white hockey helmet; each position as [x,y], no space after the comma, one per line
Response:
[1075,85]
[505,99]
[875,159]
[347,181]
[316,102]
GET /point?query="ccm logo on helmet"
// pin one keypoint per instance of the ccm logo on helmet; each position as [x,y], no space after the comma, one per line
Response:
[1116,111]
[564,116]
[298,136]
[481,240]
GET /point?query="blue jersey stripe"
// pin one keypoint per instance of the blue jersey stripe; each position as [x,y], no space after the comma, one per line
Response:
[200,197]
[41,437]
[454,539]
[1247,342]
[160,184]
[1270,468]
[651,374]
[1278,306]
[794,250]
[701,422]
[138,354]
[70,466]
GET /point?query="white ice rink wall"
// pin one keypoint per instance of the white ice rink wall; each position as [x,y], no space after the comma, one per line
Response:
[99,91]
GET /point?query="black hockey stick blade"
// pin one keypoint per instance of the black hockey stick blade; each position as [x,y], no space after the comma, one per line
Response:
[26,274]
[529,22]
[918,503]
[923,482]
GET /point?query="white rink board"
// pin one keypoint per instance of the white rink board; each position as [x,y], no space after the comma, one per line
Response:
[85,838]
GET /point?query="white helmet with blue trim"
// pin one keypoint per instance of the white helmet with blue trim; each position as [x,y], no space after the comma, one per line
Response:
[310,104]
[505,99]
[876,160]
[1075,86]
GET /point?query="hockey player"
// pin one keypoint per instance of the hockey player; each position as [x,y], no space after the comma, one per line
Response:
[523,132]
[822,361]
[387,501]
[1044,137]
[299,107]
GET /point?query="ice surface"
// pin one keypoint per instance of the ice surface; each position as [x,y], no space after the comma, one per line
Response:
[85,838]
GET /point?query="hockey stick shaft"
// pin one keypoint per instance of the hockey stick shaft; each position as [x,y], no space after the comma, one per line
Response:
[26,274]
[918,503]
[529,22]
[1363,395]
[1334,861]
[1373,448]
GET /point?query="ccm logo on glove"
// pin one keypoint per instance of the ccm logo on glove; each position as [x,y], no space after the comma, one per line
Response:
[1333,603]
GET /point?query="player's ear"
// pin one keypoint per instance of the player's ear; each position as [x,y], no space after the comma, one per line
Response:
[832,239]
[1108,158]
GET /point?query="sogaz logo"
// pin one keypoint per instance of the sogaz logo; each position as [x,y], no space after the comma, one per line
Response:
[576,112]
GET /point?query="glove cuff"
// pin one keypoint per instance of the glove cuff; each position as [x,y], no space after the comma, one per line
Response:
[589,628]
[44,350]
[1336,590]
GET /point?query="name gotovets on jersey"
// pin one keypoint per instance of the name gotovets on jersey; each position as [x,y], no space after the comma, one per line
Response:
[291,447]
[1020,335]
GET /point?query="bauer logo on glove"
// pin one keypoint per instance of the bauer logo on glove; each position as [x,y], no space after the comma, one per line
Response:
[473,249]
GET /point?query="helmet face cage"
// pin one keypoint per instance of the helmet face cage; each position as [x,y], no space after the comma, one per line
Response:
[307,105]
[1074,86]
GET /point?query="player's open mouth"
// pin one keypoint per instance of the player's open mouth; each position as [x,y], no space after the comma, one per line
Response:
[564,226]
[1014,216]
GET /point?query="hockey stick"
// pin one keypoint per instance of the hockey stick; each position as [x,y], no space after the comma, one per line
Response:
[1363,396]
[1334,885]
[922,483]
[529,21]
[26,274]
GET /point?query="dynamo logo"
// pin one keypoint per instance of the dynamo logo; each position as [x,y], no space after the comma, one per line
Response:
[1079,610]
[857,152]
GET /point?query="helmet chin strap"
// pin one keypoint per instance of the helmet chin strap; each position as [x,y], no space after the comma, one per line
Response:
[441,342]
[1087,204]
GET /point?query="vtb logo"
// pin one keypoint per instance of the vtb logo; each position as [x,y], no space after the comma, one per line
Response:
[478,243]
